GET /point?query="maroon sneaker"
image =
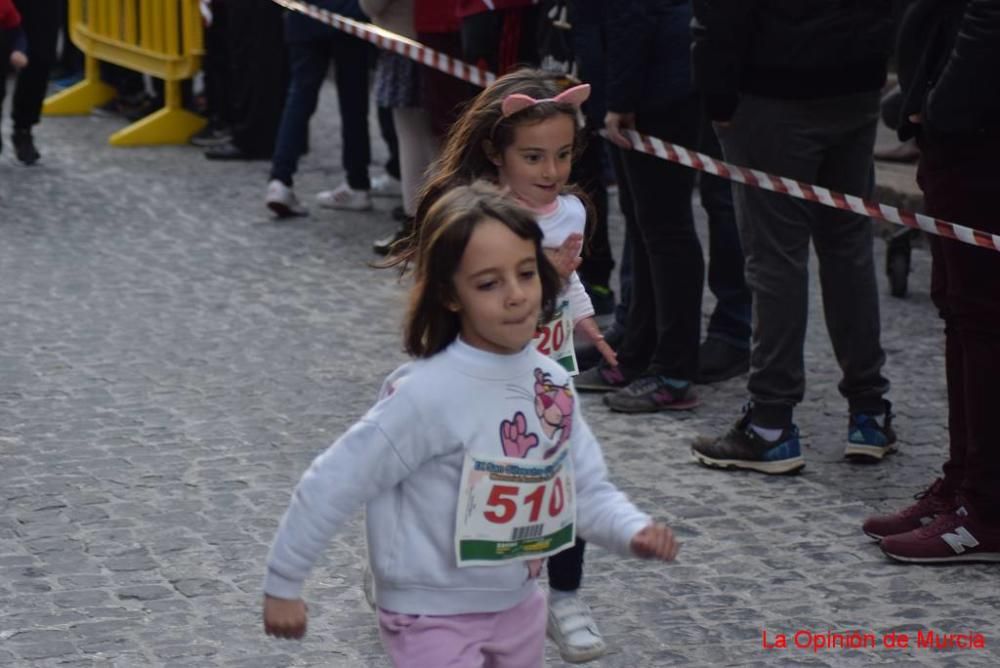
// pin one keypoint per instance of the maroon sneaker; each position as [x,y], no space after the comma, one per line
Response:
[930,503]
[953,537]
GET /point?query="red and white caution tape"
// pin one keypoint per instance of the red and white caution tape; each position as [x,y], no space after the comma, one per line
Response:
[390,41]
[811,193]
[653,146]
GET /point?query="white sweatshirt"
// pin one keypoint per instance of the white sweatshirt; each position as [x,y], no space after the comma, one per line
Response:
[569,217]
[403,462]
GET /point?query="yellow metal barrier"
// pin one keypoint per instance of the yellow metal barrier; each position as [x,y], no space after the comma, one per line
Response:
[161,38]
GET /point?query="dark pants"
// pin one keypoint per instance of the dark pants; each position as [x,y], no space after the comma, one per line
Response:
[566,568]
[730,321]
[40,22]
[663,325]
[588,173]
[309,62]
[215,64]
[259,74]
[959,184]
[827,142]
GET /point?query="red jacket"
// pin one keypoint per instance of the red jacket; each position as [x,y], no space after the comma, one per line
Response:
[435,16]
[9,18]
[471,7]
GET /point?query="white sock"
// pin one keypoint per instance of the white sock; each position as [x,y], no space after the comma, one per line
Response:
[769,435]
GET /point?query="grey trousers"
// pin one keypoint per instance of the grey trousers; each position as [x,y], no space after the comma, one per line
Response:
[826,142]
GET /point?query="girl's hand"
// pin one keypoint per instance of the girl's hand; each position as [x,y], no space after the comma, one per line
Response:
[655,541]
[589,327]
[18,60]
[566,258]
[284,618]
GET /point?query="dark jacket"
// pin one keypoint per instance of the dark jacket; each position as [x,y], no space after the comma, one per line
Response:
[648,54]
[302,28]
[788,49]
[949,68]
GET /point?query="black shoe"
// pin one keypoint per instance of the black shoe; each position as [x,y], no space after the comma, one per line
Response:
[24,147]
[743,448]
[229,151]
[213,134]
[719,360]
[396,242]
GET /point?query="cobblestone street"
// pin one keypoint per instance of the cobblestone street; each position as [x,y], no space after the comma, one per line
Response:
[171,359]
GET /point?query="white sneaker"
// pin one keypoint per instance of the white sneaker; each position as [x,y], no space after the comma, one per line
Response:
[345,197]
[385,185]
[573,629]
[282,200]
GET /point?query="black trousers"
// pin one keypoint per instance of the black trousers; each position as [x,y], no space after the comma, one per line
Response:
[40,21]
[566,568]
[259,73]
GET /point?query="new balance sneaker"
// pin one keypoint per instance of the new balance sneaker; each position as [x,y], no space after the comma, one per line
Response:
[602,378]
[282,201]
[346,198]
[743,448]
[930,503]
[384,185]
[573,629]
[650,394]
[867,439]
[956,536]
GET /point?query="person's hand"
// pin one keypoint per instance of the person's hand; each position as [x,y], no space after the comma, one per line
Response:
[723,124]
[916,119]
[614,123]
[284,618]
[655,541]
[589,327]
[566,258]
[18,60]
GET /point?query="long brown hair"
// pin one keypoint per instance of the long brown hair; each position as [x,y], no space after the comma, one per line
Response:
[464,158]
[430,325]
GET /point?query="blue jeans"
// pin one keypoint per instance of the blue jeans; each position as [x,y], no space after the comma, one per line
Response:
[309,61]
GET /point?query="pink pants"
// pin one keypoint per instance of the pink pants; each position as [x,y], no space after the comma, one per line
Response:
[513,638]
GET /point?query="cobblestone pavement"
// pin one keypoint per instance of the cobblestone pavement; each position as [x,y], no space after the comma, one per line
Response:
[171,359]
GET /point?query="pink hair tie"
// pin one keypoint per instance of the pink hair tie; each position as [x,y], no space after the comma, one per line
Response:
[515,102]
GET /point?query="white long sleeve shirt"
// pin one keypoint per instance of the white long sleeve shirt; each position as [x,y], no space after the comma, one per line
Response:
[403,462]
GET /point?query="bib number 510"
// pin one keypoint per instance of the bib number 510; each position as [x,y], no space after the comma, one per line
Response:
[504,497]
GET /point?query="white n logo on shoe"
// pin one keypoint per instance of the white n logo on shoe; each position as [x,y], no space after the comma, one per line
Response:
[961,538]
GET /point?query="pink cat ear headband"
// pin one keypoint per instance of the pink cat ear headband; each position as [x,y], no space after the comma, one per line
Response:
[516,102]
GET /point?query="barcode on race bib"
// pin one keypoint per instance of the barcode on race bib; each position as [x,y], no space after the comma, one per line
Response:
[533,531]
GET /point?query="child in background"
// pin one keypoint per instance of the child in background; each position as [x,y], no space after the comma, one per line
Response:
[522,133]
[474,463]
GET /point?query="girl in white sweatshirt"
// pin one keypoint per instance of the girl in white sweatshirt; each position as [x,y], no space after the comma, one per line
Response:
[474,464]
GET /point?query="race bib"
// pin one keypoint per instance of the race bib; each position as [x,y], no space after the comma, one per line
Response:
[514,509]
[554,339]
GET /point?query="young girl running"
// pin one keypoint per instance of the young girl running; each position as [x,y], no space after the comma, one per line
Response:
[474,463]
[522,133]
